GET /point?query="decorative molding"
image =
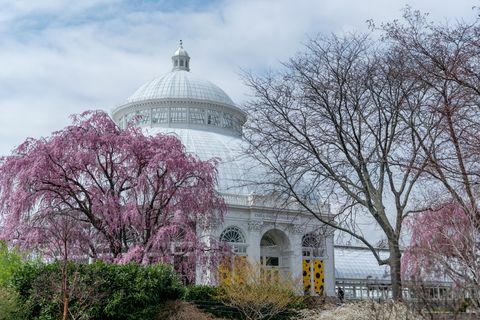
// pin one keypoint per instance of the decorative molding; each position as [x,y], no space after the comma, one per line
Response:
[269,225]
[297,228]
[255,225]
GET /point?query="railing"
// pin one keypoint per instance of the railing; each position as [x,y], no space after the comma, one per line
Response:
[354,289]
[271,202]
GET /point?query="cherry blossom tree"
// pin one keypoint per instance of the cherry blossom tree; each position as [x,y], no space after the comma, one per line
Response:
[444,243]
[124,196]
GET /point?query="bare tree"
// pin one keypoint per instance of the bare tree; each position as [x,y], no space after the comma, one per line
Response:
[335,125]
[446,58]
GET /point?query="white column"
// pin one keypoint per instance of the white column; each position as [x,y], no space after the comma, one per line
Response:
[254,237]
[329,266]
[296,259]
[203,274]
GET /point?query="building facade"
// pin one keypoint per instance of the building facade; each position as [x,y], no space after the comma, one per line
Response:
[283,238]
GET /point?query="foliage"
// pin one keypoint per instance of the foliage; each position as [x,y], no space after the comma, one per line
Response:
[366,310]
[375,122]
[200,293]
[440,239]
[444,244]
[445,57]
[257,293]
[10,260]
[10,308]
[98,291]
[96,190]
[430,300]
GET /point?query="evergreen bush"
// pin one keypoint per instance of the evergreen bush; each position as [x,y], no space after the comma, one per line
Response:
[97,291]
[201,293]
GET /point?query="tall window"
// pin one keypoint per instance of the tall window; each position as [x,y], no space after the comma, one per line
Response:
[159,115]
[213,117]
[197,116]
[178,114]
[138,117]
[228,120]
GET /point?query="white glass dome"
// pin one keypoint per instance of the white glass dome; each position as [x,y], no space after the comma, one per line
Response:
[181,84]
[234,169]
[200,114]
[179,99]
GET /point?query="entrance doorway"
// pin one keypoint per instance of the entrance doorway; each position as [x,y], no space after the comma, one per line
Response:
[313,252]
[275,254]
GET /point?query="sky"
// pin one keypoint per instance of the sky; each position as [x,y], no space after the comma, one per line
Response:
[59,58]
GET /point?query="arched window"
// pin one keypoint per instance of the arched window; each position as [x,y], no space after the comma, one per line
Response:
[267,241]
[235,238]
[232,235]
[313,245]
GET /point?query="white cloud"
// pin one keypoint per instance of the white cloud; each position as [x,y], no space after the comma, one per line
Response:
[62,57]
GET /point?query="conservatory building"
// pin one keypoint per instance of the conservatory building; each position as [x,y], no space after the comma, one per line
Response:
[283,238]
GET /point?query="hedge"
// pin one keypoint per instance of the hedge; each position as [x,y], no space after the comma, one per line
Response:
[97,291]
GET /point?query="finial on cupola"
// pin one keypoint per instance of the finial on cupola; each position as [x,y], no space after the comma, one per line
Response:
[181,59]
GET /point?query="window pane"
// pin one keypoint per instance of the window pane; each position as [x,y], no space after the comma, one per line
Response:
[213,117]
[178,115]
[159,115]
[197,116]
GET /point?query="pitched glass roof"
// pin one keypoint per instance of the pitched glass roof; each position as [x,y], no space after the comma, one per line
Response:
[359,263]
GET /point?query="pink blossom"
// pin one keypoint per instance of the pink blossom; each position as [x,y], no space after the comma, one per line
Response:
[120,193]
[444,243]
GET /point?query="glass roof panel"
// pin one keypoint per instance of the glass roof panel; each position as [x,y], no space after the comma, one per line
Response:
[180,84]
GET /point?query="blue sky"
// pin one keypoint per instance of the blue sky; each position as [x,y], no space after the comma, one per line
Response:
[63,57]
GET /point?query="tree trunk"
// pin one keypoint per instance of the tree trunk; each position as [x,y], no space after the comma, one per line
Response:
[395,271]
[64,282]
[65,291]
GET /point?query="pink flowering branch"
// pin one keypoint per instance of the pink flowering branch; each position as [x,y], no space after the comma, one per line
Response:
[125,192]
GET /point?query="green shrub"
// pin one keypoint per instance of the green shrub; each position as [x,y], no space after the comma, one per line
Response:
[10,308]
[201,293]
[97,291]
[10,260]
[136,292]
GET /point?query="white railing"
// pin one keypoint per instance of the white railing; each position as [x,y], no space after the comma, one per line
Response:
[270,202]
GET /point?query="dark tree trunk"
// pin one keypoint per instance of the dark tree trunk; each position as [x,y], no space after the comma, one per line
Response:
[65,297]
[395,271]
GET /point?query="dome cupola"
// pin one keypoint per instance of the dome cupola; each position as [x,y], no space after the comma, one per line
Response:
[181,59]
[179,99]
